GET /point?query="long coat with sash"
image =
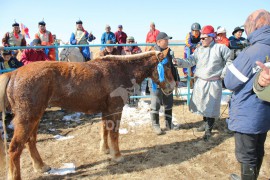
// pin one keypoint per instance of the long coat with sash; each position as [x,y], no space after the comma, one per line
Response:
[82,37]
[211,63]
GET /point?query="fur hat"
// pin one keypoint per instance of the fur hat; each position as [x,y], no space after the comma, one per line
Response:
[79,22]
[15,24]
[42,23]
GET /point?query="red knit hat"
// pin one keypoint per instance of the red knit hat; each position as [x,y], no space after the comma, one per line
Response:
[207,30]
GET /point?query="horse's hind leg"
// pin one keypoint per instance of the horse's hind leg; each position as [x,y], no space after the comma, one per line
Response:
[104,147]
[114,135]
[38,164]
[21,135]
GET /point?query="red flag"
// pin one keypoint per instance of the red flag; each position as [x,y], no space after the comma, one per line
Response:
[25,30]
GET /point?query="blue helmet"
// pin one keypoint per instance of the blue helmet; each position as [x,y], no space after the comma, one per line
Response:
[195,26]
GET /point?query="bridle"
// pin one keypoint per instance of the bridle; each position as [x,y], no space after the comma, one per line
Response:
[67,53]
[164,52]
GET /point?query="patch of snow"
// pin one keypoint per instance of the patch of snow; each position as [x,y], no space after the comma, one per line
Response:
[73,117]
[123,131]
[135,116]
[67,168]
[61,138]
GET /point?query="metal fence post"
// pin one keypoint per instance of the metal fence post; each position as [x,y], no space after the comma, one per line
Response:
[188,79]
[56,51]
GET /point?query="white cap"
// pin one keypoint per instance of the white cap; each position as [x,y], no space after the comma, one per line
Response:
[221,30]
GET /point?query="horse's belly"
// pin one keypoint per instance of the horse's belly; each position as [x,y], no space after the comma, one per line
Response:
[86,105]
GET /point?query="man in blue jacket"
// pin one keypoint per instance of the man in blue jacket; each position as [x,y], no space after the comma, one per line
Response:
[81,36]
[249,116]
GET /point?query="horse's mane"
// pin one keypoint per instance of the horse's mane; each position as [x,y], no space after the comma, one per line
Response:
[128,57]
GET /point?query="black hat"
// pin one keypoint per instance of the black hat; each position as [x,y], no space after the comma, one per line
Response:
[163,35]
[6,52]
[237,29]
[42,23]
[79,22]
[15,24]
[36,42]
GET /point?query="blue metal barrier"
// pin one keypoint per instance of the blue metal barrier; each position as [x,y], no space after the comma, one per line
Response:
[6,70]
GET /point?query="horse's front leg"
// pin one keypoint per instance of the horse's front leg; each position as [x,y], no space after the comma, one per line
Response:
[113,128]
[104,147]
[37,162]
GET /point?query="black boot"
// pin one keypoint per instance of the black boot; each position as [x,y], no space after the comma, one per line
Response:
[208,128]
[169,124]
[155,123]
[248,172]
[202,127]
[259,164]
[234,177]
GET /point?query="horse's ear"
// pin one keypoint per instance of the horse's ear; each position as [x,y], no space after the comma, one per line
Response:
[160,56]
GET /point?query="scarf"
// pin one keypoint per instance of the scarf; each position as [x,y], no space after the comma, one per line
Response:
[161,75]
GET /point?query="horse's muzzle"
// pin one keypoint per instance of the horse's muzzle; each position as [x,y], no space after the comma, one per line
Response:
[169,87]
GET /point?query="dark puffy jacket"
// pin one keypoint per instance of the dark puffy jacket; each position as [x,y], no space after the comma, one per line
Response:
[13,63]
[248,114]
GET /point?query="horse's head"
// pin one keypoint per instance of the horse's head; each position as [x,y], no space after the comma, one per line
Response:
[63,55]
[71,54]
[162,74]
[155,66]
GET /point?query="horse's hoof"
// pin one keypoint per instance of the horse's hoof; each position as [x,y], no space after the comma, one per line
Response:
[119,159]
[105,151]
[43,169]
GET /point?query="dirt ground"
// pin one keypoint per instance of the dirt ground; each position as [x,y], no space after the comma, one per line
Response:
[176,155]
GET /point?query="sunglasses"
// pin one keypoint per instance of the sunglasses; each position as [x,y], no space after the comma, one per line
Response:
[131,41]
[203,38]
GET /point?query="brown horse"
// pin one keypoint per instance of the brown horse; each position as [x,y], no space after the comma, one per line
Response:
[84,87]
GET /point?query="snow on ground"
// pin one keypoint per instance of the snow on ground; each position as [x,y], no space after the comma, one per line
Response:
[65,169]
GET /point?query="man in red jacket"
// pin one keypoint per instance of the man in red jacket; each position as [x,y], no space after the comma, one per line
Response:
[32,55]
[151,35]
[121,37]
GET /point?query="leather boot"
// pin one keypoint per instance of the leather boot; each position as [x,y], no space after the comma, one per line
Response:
[168,120]
[208,128]
[155,123]
[234,177]
[248,172]
[202,127]
[259,164]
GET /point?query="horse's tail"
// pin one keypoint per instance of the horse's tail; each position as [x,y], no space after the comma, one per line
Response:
[4,79]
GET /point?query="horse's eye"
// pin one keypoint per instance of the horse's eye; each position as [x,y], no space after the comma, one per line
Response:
[64,49]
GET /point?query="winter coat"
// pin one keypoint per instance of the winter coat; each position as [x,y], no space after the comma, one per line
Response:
[248,114]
